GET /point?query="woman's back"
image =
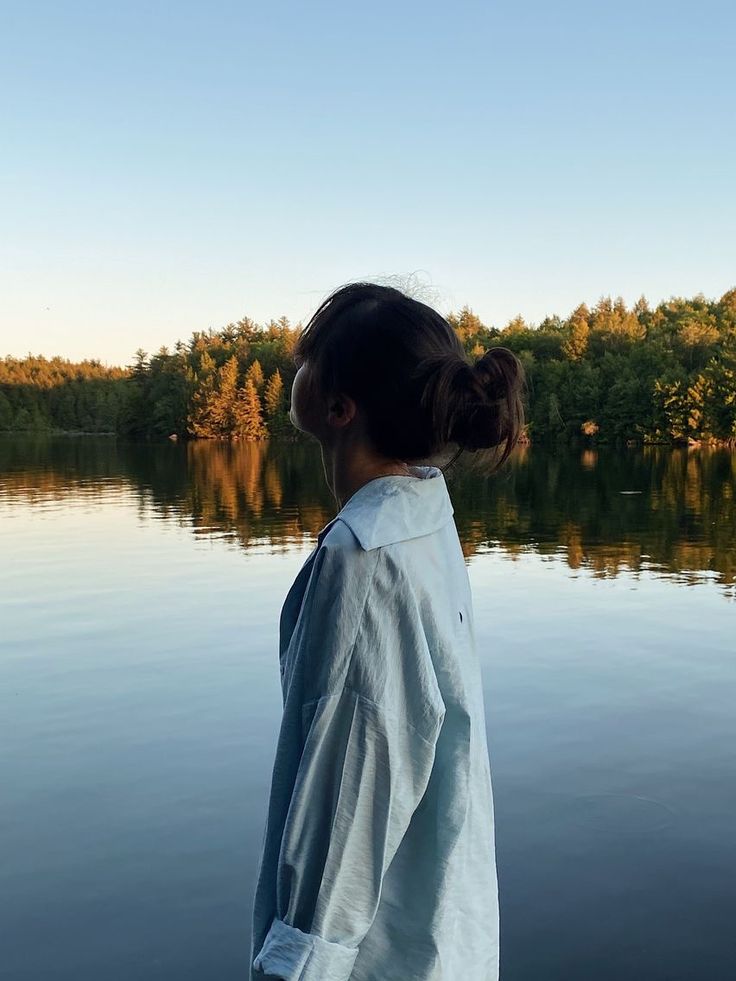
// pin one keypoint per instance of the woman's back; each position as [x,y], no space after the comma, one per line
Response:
[378,856]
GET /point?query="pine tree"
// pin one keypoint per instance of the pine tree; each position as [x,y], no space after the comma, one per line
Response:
[277,416]
[273,396]
[140,366]
[6,413]
[516,326]
[671,401]
[248,421]
[576,343]
[255,373]
[469,329]
[222,403]
[200,421]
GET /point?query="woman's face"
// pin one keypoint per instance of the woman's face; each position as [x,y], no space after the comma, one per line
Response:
[313,413]
[302,412]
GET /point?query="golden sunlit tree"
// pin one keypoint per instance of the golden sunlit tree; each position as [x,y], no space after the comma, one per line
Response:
[248,418]
[200,417]
[223,399]
[255,374]
[275,409]
[576,343]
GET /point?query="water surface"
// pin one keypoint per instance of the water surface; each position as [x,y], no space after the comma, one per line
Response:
[140,702]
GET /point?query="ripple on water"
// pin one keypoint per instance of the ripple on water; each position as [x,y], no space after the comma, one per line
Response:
[621,813]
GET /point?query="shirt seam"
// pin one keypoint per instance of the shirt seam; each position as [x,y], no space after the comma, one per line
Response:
[376,705]
[318,562]
[370,540]
[313,701]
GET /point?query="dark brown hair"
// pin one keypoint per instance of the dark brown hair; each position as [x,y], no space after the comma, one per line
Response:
[406,368]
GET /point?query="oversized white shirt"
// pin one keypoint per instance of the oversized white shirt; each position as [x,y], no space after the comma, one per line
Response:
[378,860]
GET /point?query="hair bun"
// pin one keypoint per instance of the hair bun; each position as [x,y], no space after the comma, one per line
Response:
[491,412]
[489,372]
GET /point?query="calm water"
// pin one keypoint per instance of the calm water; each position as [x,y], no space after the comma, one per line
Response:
[140,589]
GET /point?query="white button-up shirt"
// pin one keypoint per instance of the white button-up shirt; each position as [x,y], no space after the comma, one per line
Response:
[378,859]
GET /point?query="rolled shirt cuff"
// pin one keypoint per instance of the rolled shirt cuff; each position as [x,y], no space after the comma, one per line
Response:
[293,955]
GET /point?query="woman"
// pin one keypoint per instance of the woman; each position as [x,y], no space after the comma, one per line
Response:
[378,856]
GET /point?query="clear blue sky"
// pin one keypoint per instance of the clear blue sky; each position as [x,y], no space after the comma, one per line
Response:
[173,166]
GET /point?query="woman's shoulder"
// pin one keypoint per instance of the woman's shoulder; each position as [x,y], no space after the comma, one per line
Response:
[338,535]
[340,558]
[340,577]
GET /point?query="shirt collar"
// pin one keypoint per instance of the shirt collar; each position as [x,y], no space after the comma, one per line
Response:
[393,508]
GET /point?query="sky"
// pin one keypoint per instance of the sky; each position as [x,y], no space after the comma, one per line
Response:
[169,167]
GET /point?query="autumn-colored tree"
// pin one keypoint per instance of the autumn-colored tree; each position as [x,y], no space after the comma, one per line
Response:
[613,327]
[275,409]
[201,421]
[471,332]
[576,343]
[516,326]
[223,399]
[248,420]
[274,395]
[255,374]
[697,335]
[726,314]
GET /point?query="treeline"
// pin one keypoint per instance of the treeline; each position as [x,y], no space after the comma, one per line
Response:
[604,374]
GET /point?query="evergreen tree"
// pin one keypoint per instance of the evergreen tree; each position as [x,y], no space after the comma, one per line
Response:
[516,326]
[720,402]
[201,422]
[576,343]
[672,412]
[275,410]
[274,395]
[6,414]
[255,374]
[473,335]
[223,399]
[248,420]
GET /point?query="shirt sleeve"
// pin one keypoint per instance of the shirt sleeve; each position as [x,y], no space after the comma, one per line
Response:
[361,776]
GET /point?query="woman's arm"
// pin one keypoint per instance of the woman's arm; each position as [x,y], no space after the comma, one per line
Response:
[362,774]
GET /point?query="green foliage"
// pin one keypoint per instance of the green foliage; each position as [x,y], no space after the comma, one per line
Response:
[604,374]
[52,394]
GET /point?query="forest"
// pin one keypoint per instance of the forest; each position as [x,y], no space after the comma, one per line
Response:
[608,374]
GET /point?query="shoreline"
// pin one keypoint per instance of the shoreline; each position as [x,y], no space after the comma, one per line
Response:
[588,444]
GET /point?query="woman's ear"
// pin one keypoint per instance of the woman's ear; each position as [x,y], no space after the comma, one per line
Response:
[341,410]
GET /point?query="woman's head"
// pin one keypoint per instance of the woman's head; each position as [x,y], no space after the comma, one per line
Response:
[402,368]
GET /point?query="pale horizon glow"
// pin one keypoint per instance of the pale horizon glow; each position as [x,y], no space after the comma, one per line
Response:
[175,167]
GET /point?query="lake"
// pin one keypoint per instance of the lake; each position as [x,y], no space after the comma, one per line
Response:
[140,702]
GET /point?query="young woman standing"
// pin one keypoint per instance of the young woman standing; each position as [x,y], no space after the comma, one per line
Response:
[378,859]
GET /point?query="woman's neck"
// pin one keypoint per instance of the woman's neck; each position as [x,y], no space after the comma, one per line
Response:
[347,469]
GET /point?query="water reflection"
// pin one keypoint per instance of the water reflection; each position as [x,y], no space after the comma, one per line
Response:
[667,512]
[141,701]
